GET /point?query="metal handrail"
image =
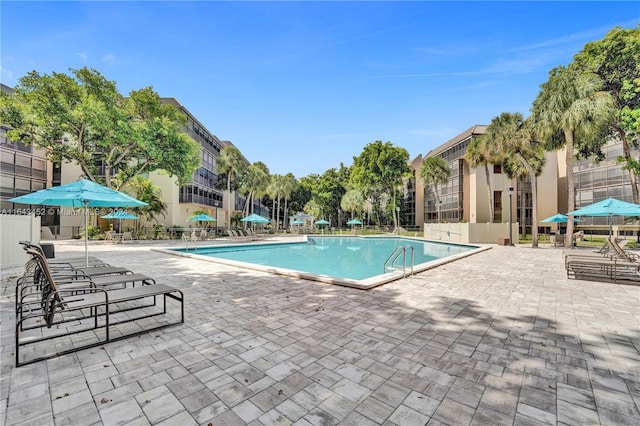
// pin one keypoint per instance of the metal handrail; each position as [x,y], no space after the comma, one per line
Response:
[187,239]
[397,252]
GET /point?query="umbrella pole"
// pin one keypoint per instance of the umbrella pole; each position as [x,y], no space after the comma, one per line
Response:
[86,233]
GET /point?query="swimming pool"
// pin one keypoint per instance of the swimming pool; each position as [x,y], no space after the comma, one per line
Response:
[352,261]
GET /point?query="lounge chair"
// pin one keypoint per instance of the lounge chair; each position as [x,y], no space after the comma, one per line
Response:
[613,269]
[611,248]
[90,309]
[624,254]
[79,261]
[32,279]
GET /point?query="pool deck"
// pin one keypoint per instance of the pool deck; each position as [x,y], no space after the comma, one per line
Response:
[500,337]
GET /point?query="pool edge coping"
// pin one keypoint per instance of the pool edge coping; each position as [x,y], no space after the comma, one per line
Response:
[365,284]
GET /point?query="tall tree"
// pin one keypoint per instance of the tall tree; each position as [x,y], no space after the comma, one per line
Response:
[143,189]
[379,171]
[232,164]
[274,191]
[254,183]
[435,171]
[352,201]
[289,185]
[571,109]
[511,137]
[83,119]
[616,60]
[327,189]
[477,155]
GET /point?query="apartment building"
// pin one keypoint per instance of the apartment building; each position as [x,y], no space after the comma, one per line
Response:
[25,169]
[470,192]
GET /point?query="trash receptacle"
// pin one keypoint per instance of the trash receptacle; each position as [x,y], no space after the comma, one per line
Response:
[503,241]
[49,251]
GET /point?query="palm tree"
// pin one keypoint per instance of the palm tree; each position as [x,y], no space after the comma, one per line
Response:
[352,201]
[476,156]
[254,183]
[570,109]
[511,138]
[232,164]
[142,189]
[273,191]
[435,171]
[289,185]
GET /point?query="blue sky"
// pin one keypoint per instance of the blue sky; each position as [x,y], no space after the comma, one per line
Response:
[305,86]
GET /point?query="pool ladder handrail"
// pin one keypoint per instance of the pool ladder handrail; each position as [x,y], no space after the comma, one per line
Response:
[186,239]
[400,251]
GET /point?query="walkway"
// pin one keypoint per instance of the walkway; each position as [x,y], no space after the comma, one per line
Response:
[501,337]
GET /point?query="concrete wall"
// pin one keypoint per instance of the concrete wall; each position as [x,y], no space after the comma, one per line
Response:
[14,228]
[482,233]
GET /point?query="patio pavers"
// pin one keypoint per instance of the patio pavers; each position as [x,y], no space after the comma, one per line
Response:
[501,337]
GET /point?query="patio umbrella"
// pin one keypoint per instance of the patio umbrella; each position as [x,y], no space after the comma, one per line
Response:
[120,214]
[354,222]
[609,207]
[81,193]
[255,218]
[322,222]
[556,218]
[202,217]
[298,222]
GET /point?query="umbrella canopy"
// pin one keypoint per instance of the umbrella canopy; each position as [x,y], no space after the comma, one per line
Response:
[298,222]
[321,222]
[119,214]
[202,217]
[81,193]
[608,207]
[557,218]
[354,222]
[255,218]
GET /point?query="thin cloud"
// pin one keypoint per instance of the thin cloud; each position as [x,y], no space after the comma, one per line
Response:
[109,58]
[448,51]
[336,43]
[581,36]
[433,74]
[83,57]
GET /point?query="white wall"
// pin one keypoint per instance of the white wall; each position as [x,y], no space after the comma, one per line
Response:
[484,233]
[15,228]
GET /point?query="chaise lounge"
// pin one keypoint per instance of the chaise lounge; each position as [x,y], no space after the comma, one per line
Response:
[88,310]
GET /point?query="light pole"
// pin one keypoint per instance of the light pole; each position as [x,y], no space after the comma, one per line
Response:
[510,192]
[398,216]
[340,220]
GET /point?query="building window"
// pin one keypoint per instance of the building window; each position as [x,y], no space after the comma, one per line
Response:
[497,169]
[497,206]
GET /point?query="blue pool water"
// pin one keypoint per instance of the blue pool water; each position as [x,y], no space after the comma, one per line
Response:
[354,258]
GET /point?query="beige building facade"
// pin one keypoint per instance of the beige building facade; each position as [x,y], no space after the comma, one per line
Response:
[472,193]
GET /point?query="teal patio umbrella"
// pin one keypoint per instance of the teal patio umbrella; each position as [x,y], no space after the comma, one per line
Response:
[321,222]
[202,217]
[354,222]
[608,208]
[556,218]
[298,222]
[81,193]
[120,215]
[255,218]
